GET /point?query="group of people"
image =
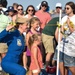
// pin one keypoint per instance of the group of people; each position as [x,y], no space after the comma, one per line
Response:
[25,38]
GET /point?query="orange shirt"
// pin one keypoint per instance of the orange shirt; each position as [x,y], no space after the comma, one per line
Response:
[39,58]
[44,18]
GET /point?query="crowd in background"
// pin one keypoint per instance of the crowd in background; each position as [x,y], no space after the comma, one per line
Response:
[29,39]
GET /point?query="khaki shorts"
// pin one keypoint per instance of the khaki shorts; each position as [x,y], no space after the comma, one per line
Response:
[3,47]
[48,43]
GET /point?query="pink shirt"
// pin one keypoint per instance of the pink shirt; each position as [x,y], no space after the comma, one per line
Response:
[44,18]
[39,58]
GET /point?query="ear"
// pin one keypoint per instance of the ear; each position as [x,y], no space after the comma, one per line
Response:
[20,25]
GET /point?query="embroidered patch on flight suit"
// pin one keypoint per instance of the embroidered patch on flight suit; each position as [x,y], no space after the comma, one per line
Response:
[19,42]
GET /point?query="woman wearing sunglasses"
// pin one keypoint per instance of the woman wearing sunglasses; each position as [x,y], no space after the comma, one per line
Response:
[30,12]
[67,45]
[20,13]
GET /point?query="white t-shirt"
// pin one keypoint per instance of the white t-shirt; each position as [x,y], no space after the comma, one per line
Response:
[64,19]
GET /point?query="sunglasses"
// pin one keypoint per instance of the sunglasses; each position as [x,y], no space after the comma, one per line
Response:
[30,10]
[44,6]
[58,7]
[20,9]
[66,8]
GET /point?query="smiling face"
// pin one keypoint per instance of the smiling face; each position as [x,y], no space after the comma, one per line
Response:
[25,27]
[20,9]
[36,25]
[30,10]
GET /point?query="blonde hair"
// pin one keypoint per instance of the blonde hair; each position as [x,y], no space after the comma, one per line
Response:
[33,38]
[33,20]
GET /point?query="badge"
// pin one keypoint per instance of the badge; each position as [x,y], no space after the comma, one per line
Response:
[19,42]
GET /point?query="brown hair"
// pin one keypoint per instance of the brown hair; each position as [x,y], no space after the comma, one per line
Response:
[32,7]
[72,5]
[15,4]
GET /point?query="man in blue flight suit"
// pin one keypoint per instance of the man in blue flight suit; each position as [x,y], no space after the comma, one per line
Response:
[16,45]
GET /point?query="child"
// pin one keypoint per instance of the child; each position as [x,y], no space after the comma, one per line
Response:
[35,24]
[36,58]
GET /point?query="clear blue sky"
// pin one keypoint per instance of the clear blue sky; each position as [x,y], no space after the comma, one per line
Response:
[51,3]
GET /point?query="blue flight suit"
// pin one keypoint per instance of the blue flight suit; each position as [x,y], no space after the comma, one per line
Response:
[16,44]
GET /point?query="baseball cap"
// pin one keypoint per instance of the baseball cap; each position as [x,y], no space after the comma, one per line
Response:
[11,8]
[44,3]
[22,20]
[58,5]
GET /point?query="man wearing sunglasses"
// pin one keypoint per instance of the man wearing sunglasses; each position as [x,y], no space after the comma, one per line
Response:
[43,15]
[58,7]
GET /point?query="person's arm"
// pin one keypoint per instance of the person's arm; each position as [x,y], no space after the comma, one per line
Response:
[5,32]
[56,33]
[14,18]
[27,38]
[25,60]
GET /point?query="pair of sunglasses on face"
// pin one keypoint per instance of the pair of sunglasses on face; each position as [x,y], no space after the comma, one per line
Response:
[30,10]
[58,7]
[20,9]
[67,8]
[44,6]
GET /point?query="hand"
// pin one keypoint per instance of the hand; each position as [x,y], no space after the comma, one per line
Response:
[68,21]
[39,70]
[9,27]
[25,68]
